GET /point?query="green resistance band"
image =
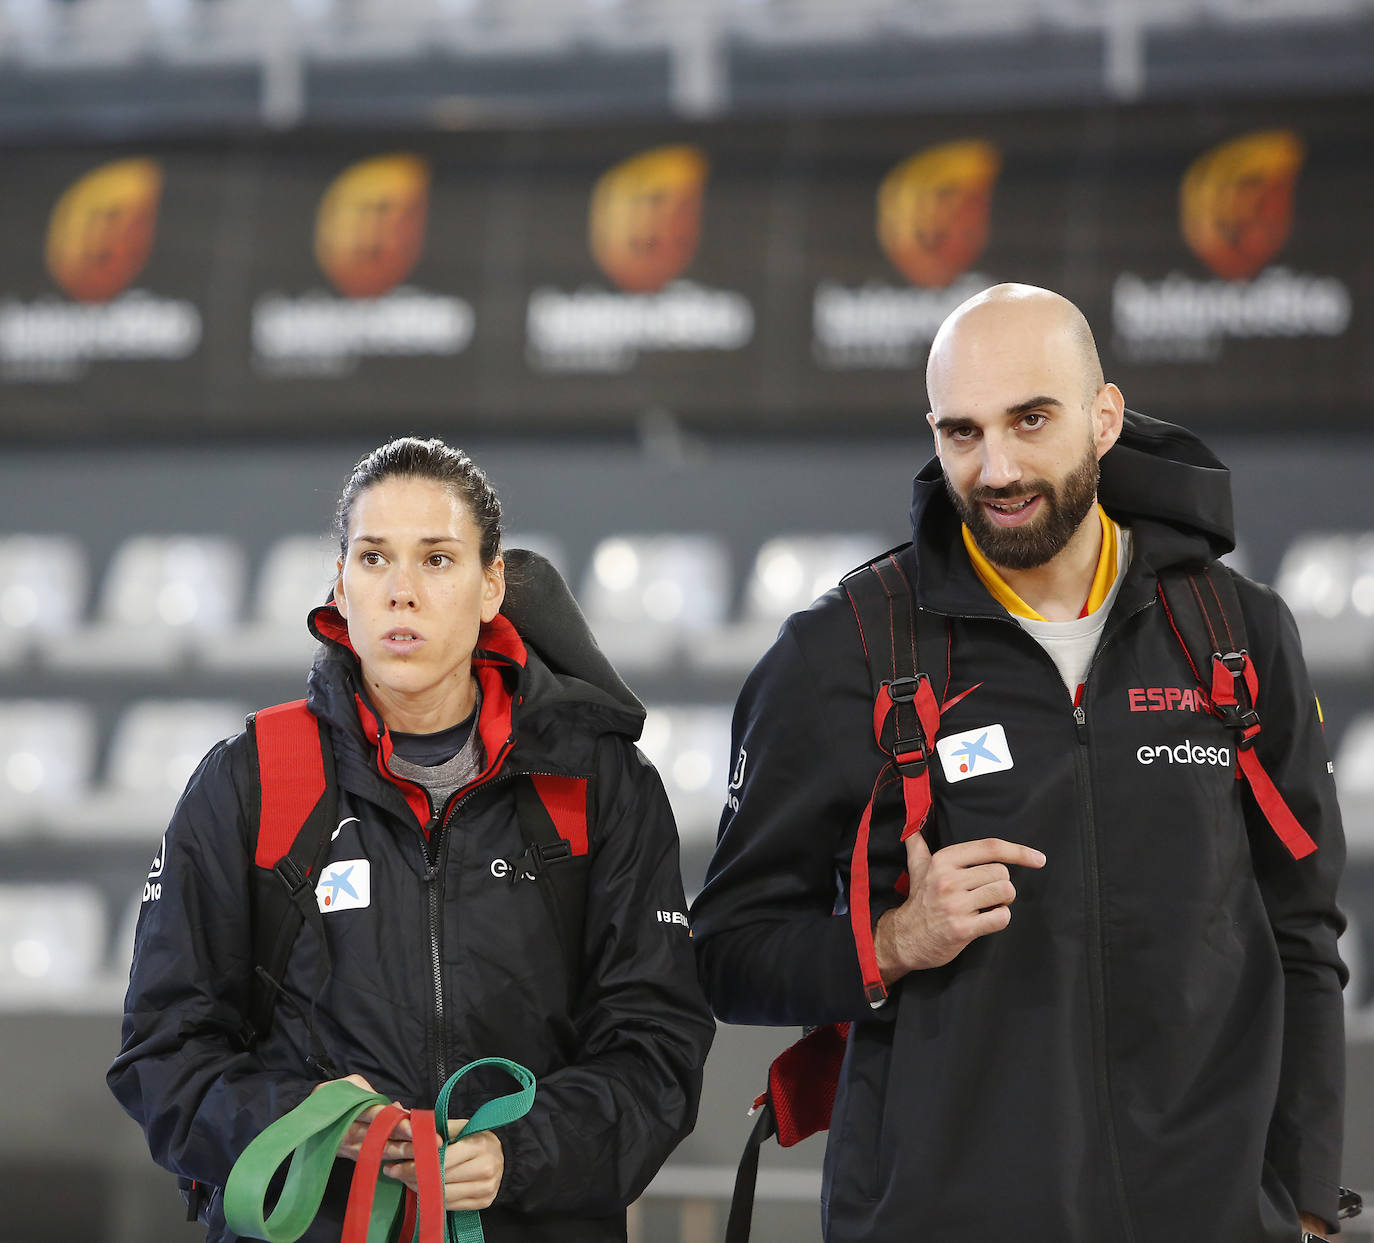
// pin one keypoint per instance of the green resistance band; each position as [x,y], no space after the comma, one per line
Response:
[310,1136]
[465,1225]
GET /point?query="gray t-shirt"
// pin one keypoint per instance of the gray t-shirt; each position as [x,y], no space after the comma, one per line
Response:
[440,780]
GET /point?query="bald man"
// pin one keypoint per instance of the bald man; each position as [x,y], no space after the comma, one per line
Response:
[1110,998]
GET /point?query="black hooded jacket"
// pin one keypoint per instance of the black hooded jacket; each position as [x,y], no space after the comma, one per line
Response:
[617,1052]
[1153,1049]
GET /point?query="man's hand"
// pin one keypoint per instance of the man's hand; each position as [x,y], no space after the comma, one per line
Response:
[472,1167]
[352,1142]
[958,894]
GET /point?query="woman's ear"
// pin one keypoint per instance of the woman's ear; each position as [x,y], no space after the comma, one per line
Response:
[340,599]
[493,588]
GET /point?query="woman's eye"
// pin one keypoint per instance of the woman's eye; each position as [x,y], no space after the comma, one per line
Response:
[440,558]
[371,558]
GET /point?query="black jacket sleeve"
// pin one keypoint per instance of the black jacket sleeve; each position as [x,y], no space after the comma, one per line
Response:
[181,1072]
[601,1127]
[774,940]
[1300,895]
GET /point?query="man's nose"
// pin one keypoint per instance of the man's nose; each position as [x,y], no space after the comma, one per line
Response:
[1000,469]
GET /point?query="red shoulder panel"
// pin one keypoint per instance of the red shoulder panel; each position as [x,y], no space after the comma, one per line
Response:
[292,768]
[565,799]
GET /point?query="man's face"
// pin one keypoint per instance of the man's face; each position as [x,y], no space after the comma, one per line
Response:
[1018,437]
[993,515]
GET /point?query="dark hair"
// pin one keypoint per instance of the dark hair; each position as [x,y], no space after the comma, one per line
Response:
[408,457]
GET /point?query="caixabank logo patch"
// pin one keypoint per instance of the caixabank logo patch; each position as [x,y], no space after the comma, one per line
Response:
[1236,215]
[370,230]
[933,221]
[644,227]
[100,235]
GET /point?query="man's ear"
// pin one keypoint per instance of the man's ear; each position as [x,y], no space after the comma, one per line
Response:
[1109,410]
[935,435]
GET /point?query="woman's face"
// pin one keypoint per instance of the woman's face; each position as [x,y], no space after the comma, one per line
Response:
[414,592]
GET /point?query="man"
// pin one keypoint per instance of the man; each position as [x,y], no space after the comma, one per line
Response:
[1113,1009]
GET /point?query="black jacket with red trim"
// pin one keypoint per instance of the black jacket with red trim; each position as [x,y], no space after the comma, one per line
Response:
[618,1055]
[1153,1049]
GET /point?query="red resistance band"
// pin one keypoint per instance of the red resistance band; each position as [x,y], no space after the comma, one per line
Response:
[912,764]
[1232,710]
[428,1206]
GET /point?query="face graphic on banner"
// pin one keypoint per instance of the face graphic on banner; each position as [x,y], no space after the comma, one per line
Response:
[370,228]
[100,233]
[645,218]
[933,210]
[1236,201]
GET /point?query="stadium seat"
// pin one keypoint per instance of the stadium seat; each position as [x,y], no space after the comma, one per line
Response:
[1354,762]
[296,574]
[790,571]
[156,745]
[47,756]
[159,593]
[43,586]
[645,594]
[690,748]
[1328,581]
[52,941]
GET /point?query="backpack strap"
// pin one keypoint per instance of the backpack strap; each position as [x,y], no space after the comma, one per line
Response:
[1204,611]
[298,812]
[553,815]
[906,718]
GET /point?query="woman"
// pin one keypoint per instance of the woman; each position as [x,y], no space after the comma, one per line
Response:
[444,691]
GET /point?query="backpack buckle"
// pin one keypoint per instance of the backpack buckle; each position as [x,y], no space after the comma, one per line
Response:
[537,856]
[1240,715]
[910,754]
[903,690]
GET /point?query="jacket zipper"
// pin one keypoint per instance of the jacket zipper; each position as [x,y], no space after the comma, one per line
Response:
[435,843]
[1097,975]
[1097,981]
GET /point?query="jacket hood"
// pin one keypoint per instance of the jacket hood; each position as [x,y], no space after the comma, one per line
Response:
[540,639]
[1156,473]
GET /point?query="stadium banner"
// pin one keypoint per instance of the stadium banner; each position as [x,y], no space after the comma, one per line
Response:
[755,275]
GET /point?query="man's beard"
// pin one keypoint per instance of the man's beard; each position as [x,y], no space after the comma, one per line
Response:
[1045,536]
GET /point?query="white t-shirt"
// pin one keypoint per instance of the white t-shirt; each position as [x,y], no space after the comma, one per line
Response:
[1071,644]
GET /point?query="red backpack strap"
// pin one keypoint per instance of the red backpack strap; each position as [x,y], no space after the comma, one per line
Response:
[291,773]
[797,1104]
[906,718]
[298,812]
[1204,611]
[553,813]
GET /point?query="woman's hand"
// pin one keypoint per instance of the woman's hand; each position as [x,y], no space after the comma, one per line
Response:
[473,1167]
[352,1141]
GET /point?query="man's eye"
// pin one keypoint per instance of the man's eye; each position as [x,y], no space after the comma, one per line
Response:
[1032,419]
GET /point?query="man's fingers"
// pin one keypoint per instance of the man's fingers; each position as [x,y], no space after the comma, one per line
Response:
[990,850]
[917,853]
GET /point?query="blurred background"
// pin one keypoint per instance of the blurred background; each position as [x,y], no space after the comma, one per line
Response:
[669,272]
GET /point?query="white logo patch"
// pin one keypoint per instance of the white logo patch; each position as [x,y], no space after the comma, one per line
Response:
[156,869]
[345,886]
[974,753]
